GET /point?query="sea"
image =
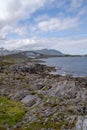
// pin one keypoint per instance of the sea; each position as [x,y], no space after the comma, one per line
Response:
[75,66]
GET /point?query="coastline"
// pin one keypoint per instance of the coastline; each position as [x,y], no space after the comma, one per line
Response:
[47,98]
[64,66]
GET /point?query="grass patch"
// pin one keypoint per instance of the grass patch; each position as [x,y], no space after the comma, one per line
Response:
[53,98]
[11,112]
[40,95]
[49,124]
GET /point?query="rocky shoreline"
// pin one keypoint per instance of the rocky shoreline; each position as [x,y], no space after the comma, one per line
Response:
[50,102]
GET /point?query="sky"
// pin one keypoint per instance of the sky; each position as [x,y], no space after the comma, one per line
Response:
[38,24]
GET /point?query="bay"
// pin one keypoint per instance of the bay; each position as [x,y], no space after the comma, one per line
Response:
[76,66]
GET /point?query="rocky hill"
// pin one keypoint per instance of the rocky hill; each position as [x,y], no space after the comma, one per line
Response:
[49,52]
[44,53]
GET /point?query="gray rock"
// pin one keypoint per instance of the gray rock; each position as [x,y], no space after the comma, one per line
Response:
[81,123]
[4,91]
[18,95]
[29,100]
[64,88]
[38,86]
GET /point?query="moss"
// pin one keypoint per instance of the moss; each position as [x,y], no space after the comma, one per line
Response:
[11,112]
[18,129]
[13,58]
[69,125]
[51,101]
[61,114]
[5,63]
[33,92]
[2,127]
[40,95]
[20,77]
[70,111]
[52,124]
[49,104]
[35,126]
[53,98]
[46,88]
[49,124]
[38,125]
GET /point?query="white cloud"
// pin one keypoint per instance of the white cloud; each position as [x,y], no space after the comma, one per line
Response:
[57,24]
[75,4]
[65,45]
[13,11]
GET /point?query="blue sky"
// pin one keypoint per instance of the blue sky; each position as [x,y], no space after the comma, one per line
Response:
[37,24]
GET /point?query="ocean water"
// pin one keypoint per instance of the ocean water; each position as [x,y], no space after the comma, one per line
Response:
[75,66]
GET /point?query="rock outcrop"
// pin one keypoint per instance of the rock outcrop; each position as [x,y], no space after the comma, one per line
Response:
[51,102]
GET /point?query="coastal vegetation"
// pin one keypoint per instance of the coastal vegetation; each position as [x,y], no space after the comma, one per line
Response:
[11,112]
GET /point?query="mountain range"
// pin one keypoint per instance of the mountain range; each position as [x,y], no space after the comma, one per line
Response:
[49,52]
[33,53]
[7,52]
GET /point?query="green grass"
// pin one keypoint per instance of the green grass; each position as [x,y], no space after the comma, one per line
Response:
[49,124]
[11,112]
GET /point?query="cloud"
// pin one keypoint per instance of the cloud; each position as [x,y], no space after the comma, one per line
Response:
[13,11]
[56,24]
[75,4]
[65,45]
[21,23]
[18,8]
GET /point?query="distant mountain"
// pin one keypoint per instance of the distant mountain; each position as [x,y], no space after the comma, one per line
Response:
[32,54]
[49,52]
[7,52]
[44,53]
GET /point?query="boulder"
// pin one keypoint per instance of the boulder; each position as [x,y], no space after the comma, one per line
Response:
[29,100]
[81,123]
[18,95]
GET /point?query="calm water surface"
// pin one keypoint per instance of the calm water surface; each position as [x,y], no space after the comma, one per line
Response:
[76,66]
